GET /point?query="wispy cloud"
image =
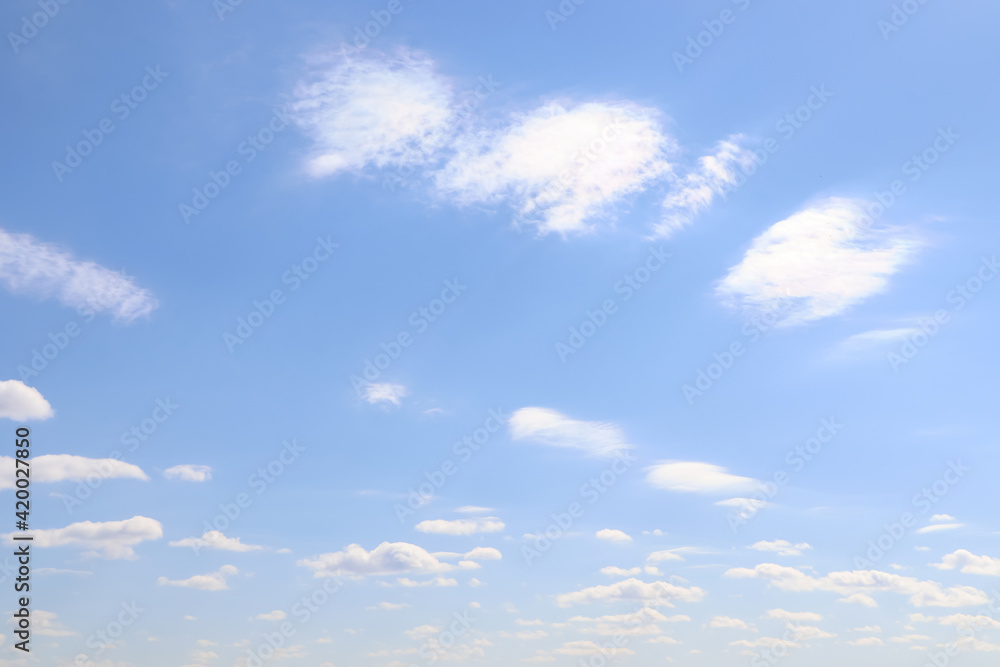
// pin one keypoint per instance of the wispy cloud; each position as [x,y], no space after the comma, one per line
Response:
[696,477]
[555,429]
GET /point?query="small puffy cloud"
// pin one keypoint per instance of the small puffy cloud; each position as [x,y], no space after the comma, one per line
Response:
[613,571]
[867,641]
[781,547]
[487,524]
[969,563]
[794,616]
[941,518]
[859,598]
[694,192]
[276,615]
[385,392]
[729,623]
[388,606]
[214,581]
[863,582]
[43,270]
[560,166]
[612,535]
[653,593]
[214,539]
[659,556]
[69,468]
[374,109]
[484,553]
[598,439]
[107,539]
[19,402]
[386,558]
[817,263]
[695,477]
[189,473]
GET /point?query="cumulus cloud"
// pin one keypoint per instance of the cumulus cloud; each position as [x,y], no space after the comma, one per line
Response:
[598,439]
[561,166]
[385,392]
[794,616]
[781,547]
[612,535]
[107,539]
[653,593]
[729,623]
[863,582]
[189,473]
[484,553]
[19,402]
[69,468]
[695,477]
[386,558]
[43,270]
[276,615]
[694,192]
[817,263]
[969,563]
[214,581]
[214,539]
[374,109]
[486,524]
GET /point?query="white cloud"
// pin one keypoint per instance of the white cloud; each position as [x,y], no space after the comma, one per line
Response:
[969,563]
[600,439]
[561,166]
[817,263]
[612,535]
[385,392]
[876,338]
[69,468]
[389,606]
[214,539]
[781,547]
[669,554]
[474,509]
[486,524]
[189,473]
[938,527]
[484,553]
[386,558]
[859,598]
[276,615]
[19,402]
[867,641]
[921,593]
[941,518]
[695,192]
[43,270]
[729,623]
[438,582]
[214,581]
[107,539]
[695,477]
[794,616]
[375,109]
[653,593]
[47,623]
[586,647]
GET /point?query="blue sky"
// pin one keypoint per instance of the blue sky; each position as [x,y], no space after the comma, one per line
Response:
[517,332]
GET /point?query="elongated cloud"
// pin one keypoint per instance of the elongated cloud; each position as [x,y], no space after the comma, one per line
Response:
[561,166]
[104,539]
[215,540]
[653,593]
[188,472]
[862,582]
[488,524]
[386,558]
[214,581]
[20,402]
[599,439]
[374,109]
[42,270]
[816,263]
[67,467]
[696,477]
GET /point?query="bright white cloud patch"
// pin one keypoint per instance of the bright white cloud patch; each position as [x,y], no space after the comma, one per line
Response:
[214,581]
[694,192]
[484,553]
[107,539]
[612,535]
[386,558]
[42,270]
[938,527]
[652,593]
[488,524]
[374,109]
[69,468]
[561,167]
[728,622]
[969,563]
[781,547]
[385,392]
[552,428]
[189,473]
[817,263]
[794,616]
[19,402]
[863,582]
[695,477]
[276,615]
[215,540]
